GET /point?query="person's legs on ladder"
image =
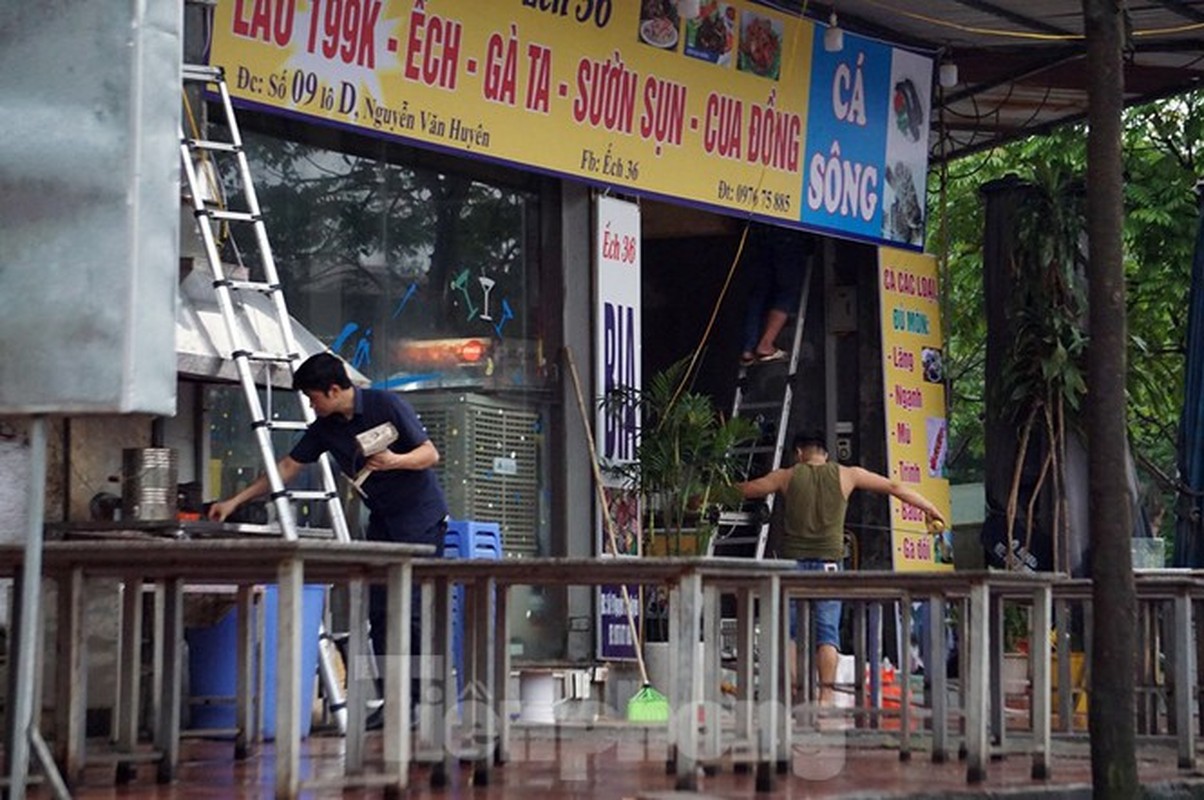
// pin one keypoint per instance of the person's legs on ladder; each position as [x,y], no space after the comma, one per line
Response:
[775,320]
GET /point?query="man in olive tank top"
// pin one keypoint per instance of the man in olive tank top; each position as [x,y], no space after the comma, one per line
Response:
[815,496]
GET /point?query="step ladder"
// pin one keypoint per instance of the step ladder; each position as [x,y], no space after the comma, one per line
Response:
[764,394]
[214,171]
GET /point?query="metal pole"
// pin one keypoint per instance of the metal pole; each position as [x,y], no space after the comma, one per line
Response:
[26,618]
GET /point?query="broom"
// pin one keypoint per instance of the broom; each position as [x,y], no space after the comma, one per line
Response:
[646,705]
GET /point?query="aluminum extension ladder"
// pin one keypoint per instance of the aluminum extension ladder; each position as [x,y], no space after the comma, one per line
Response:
[203,161]
[764,394]
[200,159]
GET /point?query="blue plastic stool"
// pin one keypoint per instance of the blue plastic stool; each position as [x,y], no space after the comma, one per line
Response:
[467,539]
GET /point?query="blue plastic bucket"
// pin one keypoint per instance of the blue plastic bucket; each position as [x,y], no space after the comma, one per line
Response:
[212,662]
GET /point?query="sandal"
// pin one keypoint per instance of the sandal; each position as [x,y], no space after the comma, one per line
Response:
[747,360]
[769,358]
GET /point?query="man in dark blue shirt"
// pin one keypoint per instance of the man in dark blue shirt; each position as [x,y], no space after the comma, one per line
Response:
[402,493]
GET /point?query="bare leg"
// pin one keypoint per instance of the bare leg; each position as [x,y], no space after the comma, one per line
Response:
[826,659]
[775,320]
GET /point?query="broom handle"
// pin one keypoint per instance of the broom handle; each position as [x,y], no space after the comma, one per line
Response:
[607,522]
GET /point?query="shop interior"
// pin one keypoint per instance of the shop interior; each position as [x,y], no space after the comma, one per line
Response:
[694,267]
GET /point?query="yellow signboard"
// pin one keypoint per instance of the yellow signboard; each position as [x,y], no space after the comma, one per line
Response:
[705,101]
[914,382]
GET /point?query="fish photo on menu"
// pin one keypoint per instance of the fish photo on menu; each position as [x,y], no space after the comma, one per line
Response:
[908,111]
[660,23]
[711,33]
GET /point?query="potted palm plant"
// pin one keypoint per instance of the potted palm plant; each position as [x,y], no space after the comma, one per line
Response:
[684,461]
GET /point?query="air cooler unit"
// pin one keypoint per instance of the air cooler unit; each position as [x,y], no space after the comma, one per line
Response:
[490,462]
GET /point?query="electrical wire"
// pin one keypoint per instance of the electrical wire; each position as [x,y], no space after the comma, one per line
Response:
[208,166]
[1010,34]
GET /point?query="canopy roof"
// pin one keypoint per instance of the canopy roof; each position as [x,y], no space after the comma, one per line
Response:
[1022,63]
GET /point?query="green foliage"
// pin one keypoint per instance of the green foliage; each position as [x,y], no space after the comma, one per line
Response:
[1161,152]
[1015,628]
[1044,366]
[1161,149]
[685,455]
[960,221]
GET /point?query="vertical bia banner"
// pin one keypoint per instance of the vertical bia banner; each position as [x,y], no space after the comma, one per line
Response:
[917,431]
[617,428]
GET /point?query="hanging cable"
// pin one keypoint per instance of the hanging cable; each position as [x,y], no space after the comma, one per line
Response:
[208,166]
[1010,34]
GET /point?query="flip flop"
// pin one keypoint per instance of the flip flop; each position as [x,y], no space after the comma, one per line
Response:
[769,358]
[747,360]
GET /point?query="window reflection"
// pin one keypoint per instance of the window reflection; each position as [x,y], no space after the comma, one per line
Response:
[419,279]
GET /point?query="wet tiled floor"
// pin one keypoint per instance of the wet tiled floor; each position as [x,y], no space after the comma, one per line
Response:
[607,764]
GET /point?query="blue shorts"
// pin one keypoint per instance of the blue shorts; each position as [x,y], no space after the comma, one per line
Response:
[826,612]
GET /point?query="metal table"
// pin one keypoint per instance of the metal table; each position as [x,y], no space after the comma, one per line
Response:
[976,587]
[1182,588]
[243,562]
[487,584]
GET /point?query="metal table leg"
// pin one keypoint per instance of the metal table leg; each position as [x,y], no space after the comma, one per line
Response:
[1065,688]
[483,684]
[427,690]
[501,671]
[72,673]
[674,688]
[1185,670]
[904,679]
[937,677]
[158,626]
[244,676]
[963,669]
[396,752]
[712,637]
[770,706]
[804,650]
[688,696]
[786,685]
[441,656]
[20,732]
[998,715]
[1198,658]
[129,675]
[1039,654]
[359,674]
[977,680]
[871,653]
[167,736]
[288,679]
[746,667]
[859,610]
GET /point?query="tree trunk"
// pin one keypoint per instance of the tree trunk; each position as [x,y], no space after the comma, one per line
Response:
[1111,716]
